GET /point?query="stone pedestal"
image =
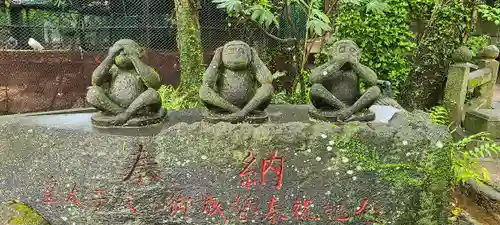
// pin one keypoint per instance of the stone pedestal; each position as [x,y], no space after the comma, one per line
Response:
[102,120]
[332,116]
[483,120]
[255,117]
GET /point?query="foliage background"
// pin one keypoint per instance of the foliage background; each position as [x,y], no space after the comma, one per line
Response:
[381,29]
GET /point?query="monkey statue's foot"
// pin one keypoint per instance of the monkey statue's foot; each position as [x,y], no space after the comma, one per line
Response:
[363,116]
[120,119]
[235,117]
[340,115]
[101,119]
[253,117]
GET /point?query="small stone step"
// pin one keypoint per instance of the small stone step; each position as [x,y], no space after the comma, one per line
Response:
[493,167]
[487,197]
[483,120]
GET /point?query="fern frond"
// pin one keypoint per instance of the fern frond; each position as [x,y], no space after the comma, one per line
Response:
[439,115]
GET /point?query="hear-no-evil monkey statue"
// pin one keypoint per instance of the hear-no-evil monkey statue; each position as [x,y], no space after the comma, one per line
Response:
[336,94]
[124,88]
[237,86]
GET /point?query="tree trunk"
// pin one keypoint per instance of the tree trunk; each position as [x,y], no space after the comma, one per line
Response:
[189,43]
[443,35]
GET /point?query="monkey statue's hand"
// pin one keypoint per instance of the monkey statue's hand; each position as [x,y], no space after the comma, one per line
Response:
[115,51]
[218,51]
[353,60]
[218,54]
[130,52]
[341,60]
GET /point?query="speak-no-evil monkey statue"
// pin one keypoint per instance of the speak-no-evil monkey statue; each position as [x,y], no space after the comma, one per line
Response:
[124,88]
[237,86]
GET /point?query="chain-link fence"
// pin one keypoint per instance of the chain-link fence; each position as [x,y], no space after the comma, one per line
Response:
[75,36]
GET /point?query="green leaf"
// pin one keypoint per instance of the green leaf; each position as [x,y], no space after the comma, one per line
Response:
[303,3]
[486,175]
[317,27]
[229,5]
[256,14]
[263,16]
[377,7]
[320,15]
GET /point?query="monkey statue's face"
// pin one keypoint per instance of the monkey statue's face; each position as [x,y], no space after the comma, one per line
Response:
[123,60]
[236,56]
[347,49]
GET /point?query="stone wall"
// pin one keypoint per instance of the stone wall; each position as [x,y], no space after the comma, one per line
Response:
[201,173]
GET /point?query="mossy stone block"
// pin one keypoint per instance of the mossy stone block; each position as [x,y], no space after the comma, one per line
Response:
[483,120]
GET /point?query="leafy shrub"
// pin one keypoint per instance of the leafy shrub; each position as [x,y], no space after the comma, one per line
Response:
[172,98]
[490,13]
[465,163]
[381,30]
[477,43]
[295,97]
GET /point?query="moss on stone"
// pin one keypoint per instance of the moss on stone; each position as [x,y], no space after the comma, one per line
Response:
[462,55]
[347,162]
[435,168]
[21,214]
[369,160]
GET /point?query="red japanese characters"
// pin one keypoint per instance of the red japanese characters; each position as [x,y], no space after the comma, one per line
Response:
[338,212]
[72,195]
[98,198]
[302,210]
[130,207]
[248,207]
[247,174]
[47,197]
[273,213]
[211,206]
[178,203]
[267,165]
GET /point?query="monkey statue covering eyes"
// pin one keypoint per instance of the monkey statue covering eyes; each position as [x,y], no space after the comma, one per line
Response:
[124,88]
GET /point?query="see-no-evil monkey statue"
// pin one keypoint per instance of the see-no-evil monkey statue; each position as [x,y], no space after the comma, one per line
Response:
[336,93]
[124,88]
[237,86]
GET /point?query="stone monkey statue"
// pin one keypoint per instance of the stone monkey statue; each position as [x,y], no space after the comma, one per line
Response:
[336,93]
[237,86]
[125,88]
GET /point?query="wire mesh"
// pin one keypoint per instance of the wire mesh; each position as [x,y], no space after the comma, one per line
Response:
[75,36]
